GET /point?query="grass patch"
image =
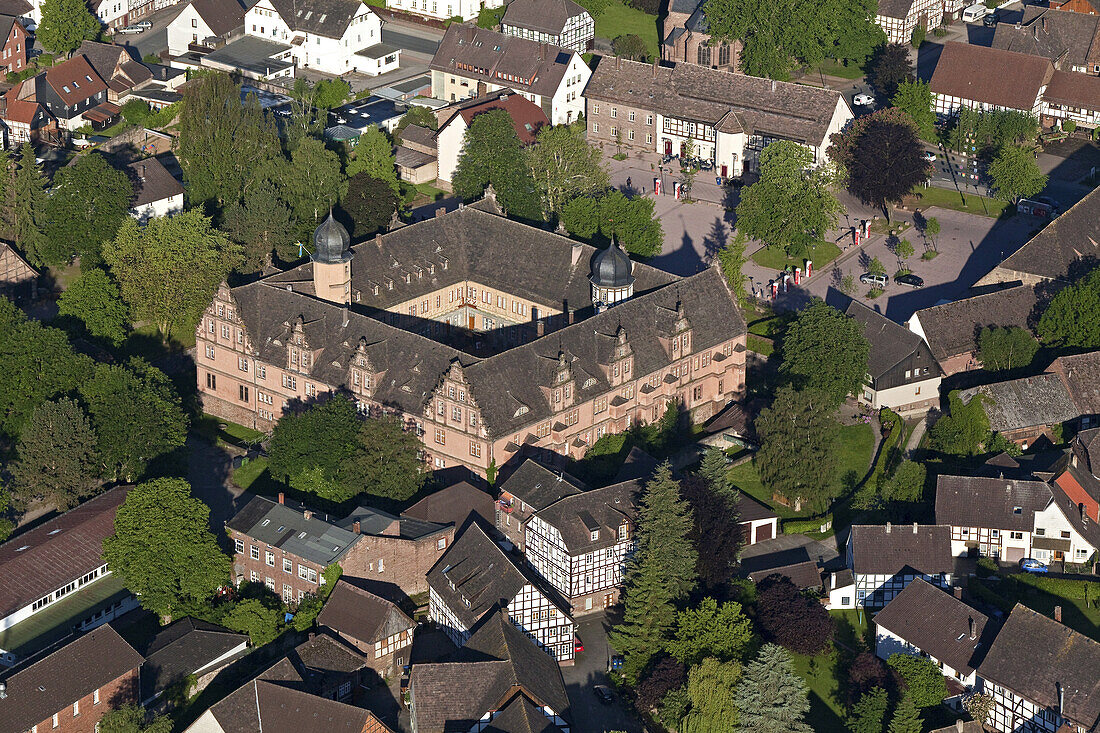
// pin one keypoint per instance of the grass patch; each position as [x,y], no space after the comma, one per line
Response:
[774,258]
[929,255]
[881,226]
[759,344]
[250,470]
[618,19]
[427,189]
[832,67]
[1078,599]
[224,432]
[969,203]
[820,673]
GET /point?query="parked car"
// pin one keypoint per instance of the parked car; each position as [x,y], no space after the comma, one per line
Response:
[578,647]
[130,30]
[1031,565]
[1049,202]
[143,24]
[603,694]
[990,20]
[910,279]
[878,281]
[863,100]
[929,156]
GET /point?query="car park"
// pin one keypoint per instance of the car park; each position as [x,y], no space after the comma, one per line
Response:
[877,281]
[910,279]
[1031,565]
[863,100]
[603,694]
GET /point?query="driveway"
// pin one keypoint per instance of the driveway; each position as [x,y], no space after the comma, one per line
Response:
[208,469]
[588,713]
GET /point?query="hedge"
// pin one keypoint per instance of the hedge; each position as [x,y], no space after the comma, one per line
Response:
[1061,587]
[806,526]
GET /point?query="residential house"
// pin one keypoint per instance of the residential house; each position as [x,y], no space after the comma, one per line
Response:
[1069,530]
[581,542]
[1081,374]
[1072,97]
[758,522]
[72,92]
[60,560]
[70,689]
[458,504]
[498,681]
[116,67]
[184,648]
[332,36]
[527,120]
[471,62]
[25,120]
[13,54]
[157,192]
[417,155]
[885,559]
[1070,40]
[111,13]
[1075,6]
[724,118]
[685,38]
[203,23]
[376,627]
[926,621]
[18,280]
[901,374]
[561,23]
[972,77]
[476,578]
[951,330]
[572,344]
[445,9]
[1039,673]
[1024,409]
[991,516]
[288,548]
[324,666]
[899,18]
[531,487]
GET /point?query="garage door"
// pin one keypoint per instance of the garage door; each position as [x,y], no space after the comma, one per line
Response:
[764,532]
[1014,554]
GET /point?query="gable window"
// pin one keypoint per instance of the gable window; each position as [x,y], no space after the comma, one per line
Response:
[595,535]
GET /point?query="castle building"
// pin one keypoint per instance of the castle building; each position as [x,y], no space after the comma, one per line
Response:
[484,334]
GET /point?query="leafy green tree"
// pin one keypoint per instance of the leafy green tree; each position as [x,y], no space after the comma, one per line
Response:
[581,217]
[890,67]
[771,697]
[711,630]
[917,37]
[903,250]
[712,688]
[316,185]
[86,205]
[39,365]
[331,93]
[374,156]
[137,417]
[131,719]
[137,111]
[261,224]
[6,525]
[661,573]
[1072,320]
[961,431]
[65,24]
[493,155]
[1003,349]
[261,621]
[876,267]
[168,270]
[370,203]
[93,299]
[56,451]
[417,115]
[797,456]
[1016,174]
[915,98]
[790,206]
[906,717]
[826,351]
[163,550]
[869,713]
[630,46]
[386,461]
[922,681]
[317,439]
[632,222]
[28,203]
[565,166]
[881,156]
[732,259]
[907,483]
[932,229]
[980,706]
[306,612]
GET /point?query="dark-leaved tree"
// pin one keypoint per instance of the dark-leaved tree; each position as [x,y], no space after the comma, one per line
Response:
[370,203]
[790,618]
[825,350]
[666,675]
[716,532]
[890,66]
[882,157]
[88,202]
[493,155]
[865,673]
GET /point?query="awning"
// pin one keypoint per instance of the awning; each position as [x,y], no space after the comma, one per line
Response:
[1050,543]
[102,113]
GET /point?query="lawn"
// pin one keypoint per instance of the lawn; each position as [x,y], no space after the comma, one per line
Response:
[249,471]
[832,67]
[970,203]
[773,258]
[759,344]
[618,19]
[433,193]
[822,673]
[218,430]
[1077,613]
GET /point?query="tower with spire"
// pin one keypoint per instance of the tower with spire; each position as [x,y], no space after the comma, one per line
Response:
[612,277]
[332,261]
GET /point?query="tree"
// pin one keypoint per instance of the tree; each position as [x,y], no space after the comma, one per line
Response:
[417,115]
[712,687]
[921,680]
[665,676]
[906,717]
[493,155]
[710,630]
[131,719]
[6,525]
[315,185]
[65,24]
[386,462]
[261,224]
[88,202]
[28,203]
[581,217]
[866,673]
[163,550]
[137,417]
[370,203]
[93,299]
[715,472]
[907,483]
[660,573]
[331,93]
[980,706]
[374,156]
[890,66]
[630,46]
[1003,349]
[869,713]
[259,620]
[1016,174]
[791,619]
[915,98]
[876,267]
[632,222]
[771,697]
[932,229]
[961,431]
[56,451]
[881,156]
[732,259]
[565,166]
[39,365]
[790,206]
[825,350]
[7,172]
[797,456]
[317,440]
[1072,320]
[716,532]
[168,270]
[917,37]
[687,170]
[903,250]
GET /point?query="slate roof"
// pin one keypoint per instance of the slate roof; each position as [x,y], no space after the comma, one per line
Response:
[546,16]
[18,8]
[328,18]
[377,522]
[320,663]
[887,550]
[455,505]
[267,707]
[1069,238]
[186,646]
[361,615]
[58,551]
[418,135]
[1081,373]
[952,328]
[977,73]
[730,102]
[895,8]
[1033,655]
[750,509]
[38,690]
[152,182]
[537,486]
[978,501]
[604,510]
[804,575]
[497,661]
[224,16]
[474,577]
[1026,402]
[1059,35]
[1090,441]
[520,715]
[936,623]
[282,526]
[890,342]
[530,66]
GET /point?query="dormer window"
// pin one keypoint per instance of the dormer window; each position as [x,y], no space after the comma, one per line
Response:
[622,531]
[1017,510]
[595,535]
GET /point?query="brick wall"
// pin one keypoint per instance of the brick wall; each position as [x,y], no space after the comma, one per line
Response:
[244,565]
[404,563]
[122,691]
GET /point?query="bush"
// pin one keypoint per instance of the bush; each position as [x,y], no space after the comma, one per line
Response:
[1061,587]
[1068,125]
[918,36]
[986,566]
[136,112]
[652,7]
[594,7]
[806,526]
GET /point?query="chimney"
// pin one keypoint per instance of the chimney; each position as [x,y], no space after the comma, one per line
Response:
[888,528]
[281,497]
[570,312]
[959,725]
[973,629]
[540,328]
[355,527]
[1061,698]
[141,172]
[344,316]
[1058,614]
[378,241]
[441,211]
[957,591]
[773,85]
[310,635]
[307,514]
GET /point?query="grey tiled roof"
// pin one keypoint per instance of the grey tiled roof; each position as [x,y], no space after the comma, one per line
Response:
[152,182]
[1059,35]
[604,510]
[895,8]
[976,501]
[1082,377]
[263,706]
[543,65]
[1070,238]
[952,328]
[328,18]
[281,526]
[520,715]
[361,615]
[538,486]
[697,93]
[804,575]
[889,549]
[184,647]
[375,521]
[547,16]
[1025,402]
[890,342]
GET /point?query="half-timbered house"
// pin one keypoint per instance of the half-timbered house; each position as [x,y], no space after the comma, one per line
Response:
[885,559]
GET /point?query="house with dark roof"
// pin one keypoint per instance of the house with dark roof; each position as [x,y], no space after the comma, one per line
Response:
[972,77]
[380,630]
[13,52]
[805,575]
[323,665]
[561,23]
[726,118]
[531,487]
[72,92]
[72,687]
[499,681]
[187,647]
[1027,408]
[116,67]
[926,621]
[156,191]
[527,119]
[64,583]
[885,559]
[476,578]
[472,62]
[991,516]
[685,38]
[902,374]
[1070,40]
[1041,675]
[1081,375]
[458,504]
[898,18]
[757,522]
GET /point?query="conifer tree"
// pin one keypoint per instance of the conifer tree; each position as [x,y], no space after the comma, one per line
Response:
[28,189]
[771,697]
[906,717]
[714,471]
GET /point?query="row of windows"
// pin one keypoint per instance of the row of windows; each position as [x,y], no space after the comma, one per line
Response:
[304,572]
[69,588]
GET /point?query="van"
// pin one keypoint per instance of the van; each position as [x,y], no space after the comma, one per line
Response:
[974,13]
[874,280]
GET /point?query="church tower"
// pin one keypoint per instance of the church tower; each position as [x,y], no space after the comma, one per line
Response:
[332,262]
[612,279]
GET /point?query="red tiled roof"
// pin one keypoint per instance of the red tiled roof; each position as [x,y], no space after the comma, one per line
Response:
[77,77]
[527,117]
[19,110]
[990,75]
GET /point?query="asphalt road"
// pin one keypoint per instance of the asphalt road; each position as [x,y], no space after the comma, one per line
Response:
[409,42]
[589,670]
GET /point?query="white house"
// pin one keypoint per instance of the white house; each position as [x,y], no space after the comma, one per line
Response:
[758,522]
[336,37]
[444,9]
[527,119]
[558,22]
[886,558]
[156,191]
[901,374]
[199,21]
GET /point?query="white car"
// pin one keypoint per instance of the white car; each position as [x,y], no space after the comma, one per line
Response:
[929,156]
[863,100]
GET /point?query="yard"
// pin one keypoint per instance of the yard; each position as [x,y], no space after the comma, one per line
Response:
[824,675]
[969,203]
[774,258]
[618,19]
[832,67]
[1078,599]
